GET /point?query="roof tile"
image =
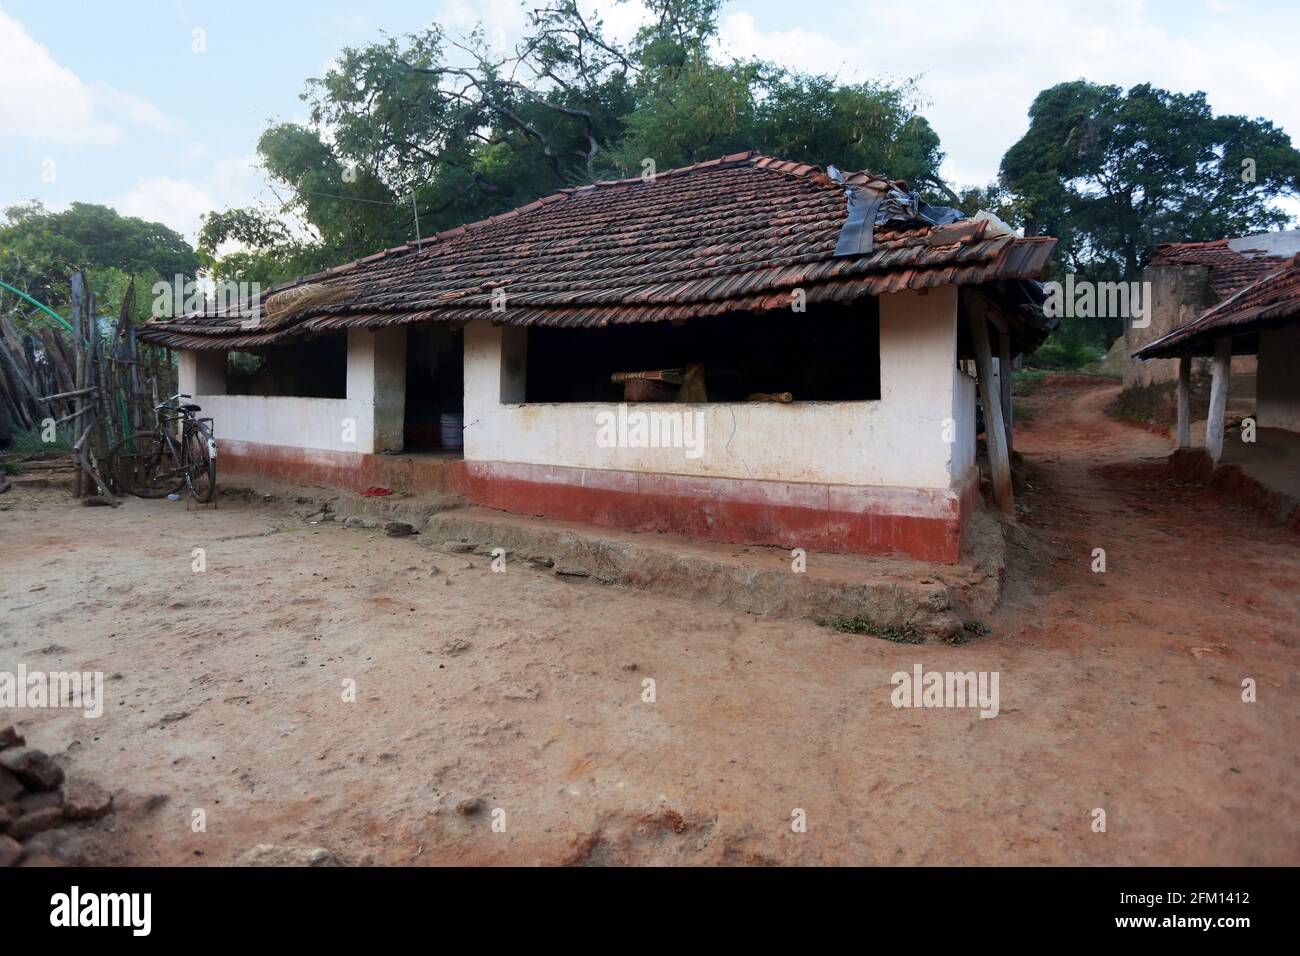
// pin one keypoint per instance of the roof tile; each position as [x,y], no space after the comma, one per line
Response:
[732,234]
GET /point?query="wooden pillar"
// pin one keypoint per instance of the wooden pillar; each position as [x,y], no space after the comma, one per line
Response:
[1004,381]
[994,429]
[1214,424]
[1185,402]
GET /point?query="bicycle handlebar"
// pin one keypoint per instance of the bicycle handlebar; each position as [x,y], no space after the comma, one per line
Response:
[159,407]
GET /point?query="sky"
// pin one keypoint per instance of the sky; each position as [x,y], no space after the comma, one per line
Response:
[154,107]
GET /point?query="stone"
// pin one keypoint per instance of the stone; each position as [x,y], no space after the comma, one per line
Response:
[399,529]
[33,768]
[10,788]
[61,844]
[10,737]
[5,819]
[540,564]
[572,573]
[36,801]
[83,800]
[520,692]
[46,818]
[152,802]
[469,806]
[455,646]
[40,859]
[267,854]
[11,851]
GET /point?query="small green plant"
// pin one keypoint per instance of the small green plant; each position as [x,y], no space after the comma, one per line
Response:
[1026,381]
[30,443]
[1065,353]
[898,633]
[968,630]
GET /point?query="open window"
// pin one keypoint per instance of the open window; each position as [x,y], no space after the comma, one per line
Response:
[827,354]
[303,368]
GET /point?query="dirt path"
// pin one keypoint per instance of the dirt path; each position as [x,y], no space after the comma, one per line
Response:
[1119,691]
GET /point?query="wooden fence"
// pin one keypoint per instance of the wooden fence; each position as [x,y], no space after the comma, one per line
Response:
[97,383]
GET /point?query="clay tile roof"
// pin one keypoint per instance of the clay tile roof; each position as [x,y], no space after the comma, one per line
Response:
[1270,301]
[1232,263]
[734,234]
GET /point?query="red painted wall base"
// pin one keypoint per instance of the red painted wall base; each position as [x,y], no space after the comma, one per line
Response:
[920,523]
[414,474]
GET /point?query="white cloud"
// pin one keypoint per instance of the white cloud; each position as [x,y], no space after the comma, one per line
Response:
[181,202]
[981,64]
[43,101]
[173,202]
[798,49]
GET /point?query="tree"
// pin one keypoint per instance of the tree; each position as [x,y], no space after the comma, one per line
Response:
[1113,174]
[453,131]
[40,249]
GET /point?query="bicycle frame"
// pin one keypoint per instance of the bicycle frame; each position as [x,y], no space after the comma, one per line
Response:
[176,426]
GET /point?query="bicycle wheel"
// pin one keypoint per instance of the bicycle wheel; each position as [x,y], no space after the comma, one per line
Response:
[145,465]
[201,463]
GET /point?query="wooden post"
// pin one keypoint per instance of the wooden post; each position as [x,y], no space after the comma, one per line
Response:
[1185,401]
[1217,418]
[1004,380]
[77,285]
[994,429]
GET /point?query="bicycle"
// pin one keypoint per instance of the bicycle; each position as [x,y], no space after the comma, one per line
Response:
[155,464]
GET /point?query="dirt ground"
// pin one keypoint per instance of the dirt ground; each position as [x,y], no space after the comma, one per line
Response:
[1119,690]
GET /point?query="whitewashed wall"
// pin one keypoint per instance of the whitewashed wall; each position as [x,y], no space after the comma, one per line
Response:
[899,440]
[375,403]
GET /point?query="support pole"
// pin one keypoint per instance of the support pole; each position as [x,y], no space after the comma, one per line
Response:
[1214,423]
[1185,401]
[994,430]
[1004,380]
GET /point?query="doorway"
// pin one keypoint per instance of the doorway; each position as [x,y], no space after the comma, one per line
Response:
[435,387]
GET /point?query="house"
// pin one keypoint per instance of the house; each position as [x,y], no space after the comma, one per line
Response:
[1186,278]
[747,276]
[1261,320]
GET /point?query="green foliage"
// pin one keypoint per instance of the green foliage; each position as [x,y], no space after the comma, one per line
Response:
[1026,381]
[470,132]
[1114,173]
[1065,353]
[897,633]
[39,250]
[31,443]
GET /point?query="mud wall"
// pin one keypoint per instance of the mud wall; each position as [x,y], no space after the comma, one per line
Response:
[1277,387]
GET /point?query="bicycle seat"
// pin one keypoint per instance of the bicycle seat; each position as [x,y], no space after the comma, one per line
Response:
[190,408]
